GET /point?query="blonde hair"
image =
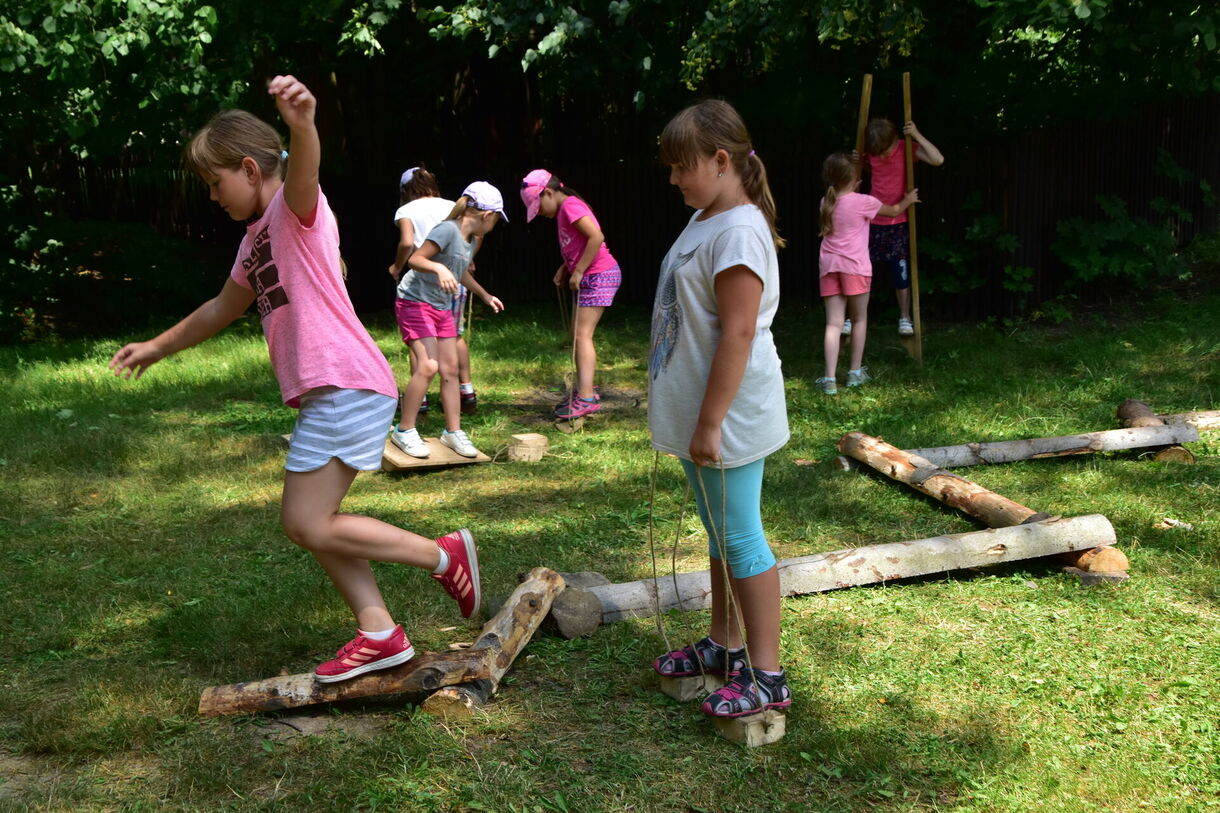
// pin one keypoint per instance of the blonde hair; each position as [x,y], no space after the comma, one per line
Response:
[461,206]
[705,127]
[838,171]
[231,136]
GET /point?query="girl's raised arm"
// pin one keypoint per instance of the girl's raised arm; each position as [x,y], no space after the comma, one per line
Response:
[297,106]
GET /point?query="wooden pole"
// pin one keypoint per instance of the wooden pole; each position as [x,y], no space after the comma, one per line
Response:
[866,93]
[870,564]
[1007,451]
[1133,413]
[915,347]
[994,510]
[503,637]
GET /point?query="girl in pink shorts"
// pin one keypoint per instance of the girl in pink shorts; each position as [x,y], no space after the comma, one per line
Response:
[844,270]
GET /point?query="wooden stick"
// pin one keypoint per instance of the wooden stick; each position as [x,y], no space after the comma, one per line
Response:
[1133,413]
[503,637]
[1007,451]
[916,348]
[871,564]
[970,498]
[866,93]
[423,673]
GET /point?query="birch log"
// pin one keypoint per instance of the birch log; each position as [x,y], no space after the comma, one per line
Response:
[1133,413]
[869,565]
[994,510]
[420,674]
[503,637]
[1008,451]
[1199,420]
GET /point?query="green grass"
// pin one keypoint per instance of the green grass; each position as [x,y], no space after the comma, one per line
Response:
[143,562]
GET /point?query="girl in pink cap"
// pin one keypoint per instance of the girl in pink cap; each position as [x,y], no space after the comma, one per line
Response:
[588,269]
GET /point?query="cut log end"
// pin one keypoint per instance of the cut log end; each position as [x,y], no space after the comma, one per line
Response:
[1102,559]
[1174,454]
[453,703]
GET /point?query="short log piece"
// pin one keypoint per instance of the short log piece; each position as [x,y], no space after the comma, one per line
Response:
[1008,451]
[503,637]
[529,447]
[1133,413]
[575,613]
[754,730]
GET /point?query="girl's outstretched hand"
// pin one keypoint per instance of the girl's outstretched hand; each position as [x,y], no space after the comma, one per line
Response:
[135,358]
[294,101]
[494,303]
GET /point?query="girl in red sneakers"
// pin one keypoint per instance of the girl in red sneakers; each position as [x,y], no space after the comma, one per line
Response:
[588,269]
[716,394]
[326,363]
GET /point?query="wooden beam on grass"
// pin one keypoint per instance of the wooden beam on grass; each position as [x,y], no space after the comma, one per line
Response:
[1008,451]
[1133,413]
[871,564]
[1199,420]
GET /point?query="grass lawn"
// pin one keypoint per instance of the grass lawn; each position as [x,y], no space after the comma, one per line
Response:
[143,562]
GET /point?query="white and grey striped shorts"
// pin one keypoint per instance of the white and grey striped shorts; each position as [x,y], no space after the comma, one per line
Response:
[348,424]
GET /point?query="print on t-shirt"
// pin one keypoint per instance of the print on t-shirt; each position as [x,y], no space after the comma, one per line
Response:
[667,319]
[264,276]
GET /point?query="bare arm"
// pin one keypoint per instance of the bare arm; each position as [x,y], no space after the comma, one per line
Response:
[594,239]
[297,105]
[895,209]
[931,155]
[206,321]
[422,261]
[738,296]
[473,284]
[406,244]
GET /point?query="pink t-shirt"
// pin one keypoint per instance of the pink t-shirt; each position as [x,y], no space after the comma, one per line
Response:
[313,335]
[845,249]
[889,179]
[572,243]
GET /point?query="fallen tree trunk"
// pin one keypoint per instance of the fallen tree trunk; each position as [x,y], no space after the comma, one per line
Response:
[994,510]
[423,673]
[1008,451]
[869,565]
[503,637]
[1133,413]
[1199,420]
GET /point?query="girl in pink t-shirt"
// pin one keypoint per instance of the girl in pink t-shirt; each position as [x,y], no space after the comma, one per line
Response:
[844,269]
[588,269]
[326,364]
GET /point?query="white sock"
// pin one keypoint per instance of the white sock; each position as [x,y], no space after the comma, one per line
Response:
[466,388]
[379,635]
[443,564]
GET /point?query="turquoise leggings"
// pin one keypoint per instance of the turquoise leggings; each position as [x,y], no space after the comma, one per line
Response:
[744,542]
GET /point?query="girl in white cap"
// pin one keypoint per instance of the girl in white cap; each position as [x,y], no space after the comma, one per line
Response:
[424,316]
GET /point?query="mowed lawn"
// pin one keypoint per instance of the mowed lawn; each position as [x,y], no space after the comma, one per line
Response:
[143,562]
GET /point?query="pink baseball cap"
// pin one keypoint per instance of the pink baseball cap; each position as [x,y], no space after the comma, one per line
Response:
[486,197]
[531,191]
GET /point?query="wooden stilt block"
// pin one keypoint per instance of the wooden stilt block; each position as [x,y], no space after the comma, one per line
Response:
[695,687]
[527,448]
[754,730]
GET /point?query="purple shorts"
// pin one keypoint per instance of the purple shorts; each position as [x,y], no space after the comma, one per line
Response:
[597,290]
[419,320]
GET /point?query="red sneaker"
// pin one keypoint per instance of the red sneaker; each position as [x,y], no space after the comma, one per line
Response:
[362,654]
[461,579]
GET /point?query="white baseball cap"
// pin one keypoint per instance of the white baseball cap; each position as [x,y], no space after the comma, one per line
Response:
[486,197]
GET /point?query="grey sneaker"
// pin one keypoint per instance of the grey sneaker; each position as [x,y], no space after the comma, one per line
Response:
[458,442]
[828,385]
[857,377]
[905,327]
[410,442]
[846,327]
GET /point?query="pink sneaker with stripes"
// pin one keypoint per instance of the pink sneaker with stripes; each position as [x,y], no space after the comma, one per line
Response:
[461,579]
[362,654]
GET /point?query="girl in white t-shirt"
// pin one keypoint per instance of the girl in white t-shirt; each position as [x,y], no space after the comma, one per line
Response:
[716,395]
[845,273]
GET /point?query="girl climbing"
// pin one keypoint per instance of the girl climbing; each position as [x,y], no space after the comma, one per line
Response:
[425,317]
[588,269]
[716,394]
[844,270]
[326,363]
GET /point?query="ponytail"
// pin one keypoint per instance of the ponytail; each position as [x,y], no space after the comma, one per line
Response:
[828,211]
[754,181]
[459,207]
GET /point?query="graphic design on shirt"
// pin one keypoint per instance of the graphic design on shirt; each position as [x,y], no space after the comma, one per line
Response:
[667,318]
[264,277]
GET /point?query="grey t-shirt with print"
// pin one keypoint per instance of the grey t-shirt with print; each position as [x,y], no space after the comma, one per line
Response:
[686,332]
[455,254]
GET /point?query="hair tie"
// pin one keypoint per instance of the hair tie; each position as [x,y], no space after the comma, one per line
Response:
[751,153]
[283,155]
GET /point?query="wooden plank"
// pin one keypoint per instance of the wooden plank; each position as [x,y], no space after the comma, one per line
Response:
[869,565]
[395,459]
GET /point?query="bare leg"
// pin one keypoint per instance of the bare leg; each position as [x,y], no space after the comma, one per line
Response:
[586,354]
[857,308]
[836,305]
[904,302]
[424,367]
[447,353]
[757,600]
[344,543]
[463,361]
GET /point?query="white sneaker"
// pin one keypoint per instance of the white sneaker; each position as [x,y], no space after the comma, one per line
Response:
[857,377]
[410,442]
[846,327]
[905,328]
[458,442]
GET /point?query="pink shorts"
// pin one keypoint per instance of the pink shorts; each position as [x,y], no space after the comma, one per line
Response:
[419,320]
[835,283]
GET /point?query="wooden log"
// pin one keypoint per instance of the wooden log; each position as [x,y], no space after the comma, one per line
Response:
[503,637]
[870,564]
[1199,420]
[952,489]
[529,447]
[575,613]
[1133,413]
[1007,451]
[754,730]
[695,687]
[423,673]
